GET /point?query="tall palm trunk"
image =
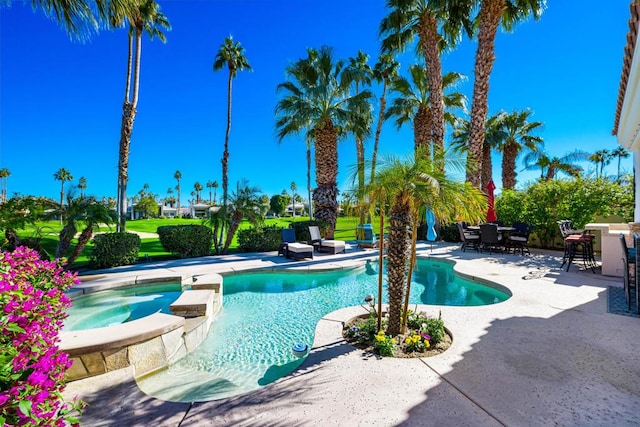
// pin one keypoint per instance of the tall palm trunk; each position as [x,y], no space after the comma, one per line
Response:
[429,42]
[490,15]
[509,154]
[309,175]
[487,165]
[397,254]
[128,116]
[422,127]
[61,200]
[325,196]
[225,156]
[383,106]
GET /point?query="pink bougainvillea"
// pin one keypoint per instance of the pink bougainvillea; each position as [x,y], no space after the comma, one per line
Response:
[32,367]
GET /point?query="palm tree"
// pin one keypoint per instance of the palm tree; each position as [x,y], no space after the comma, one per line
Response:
[519,137]
[75,16]
[91,213]
[198,187]
[145,17]
[408,186]
[317,97]
[230,56]
[210,186]
[437,24]
[4,174]
[620,152]
[82,185]
[62,175]
[246,202]
[358,72]
[550,166]
[385,71]
[293,187]
[601,158]
[215,188]
[494,135]
[492,14]
[178,176]
[413,104]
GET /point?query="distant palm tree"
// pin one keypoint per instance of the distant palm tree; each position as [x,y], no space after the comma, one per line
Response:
[88,211]
[317,96]
[494,135]
[210,186]
[178,176]
[413,104]
[144,17]
[620,152]
[245,203]
[436,24]
[519,137]
[385,71]
[4,174]
[215,188]
[230,56]
[62,175]
[550,166]
[407,187]
[82,185]
[492,14]
[293,187]
[359,73]
[600,158]
[198,187]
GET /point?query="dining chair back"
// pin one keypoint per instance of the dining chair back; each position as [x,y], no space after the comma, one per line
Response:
[468,238]
[489,237]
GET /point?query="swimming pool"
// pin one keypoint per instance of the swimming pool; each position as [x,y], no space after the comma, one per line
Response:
[265,314]
[113,306]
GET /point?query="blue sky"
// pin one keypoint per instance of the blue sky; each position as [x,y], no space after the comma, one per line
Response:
[61,100]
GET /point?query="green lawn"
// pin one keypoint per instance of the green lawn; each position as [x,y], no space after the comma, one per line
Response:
[49,231]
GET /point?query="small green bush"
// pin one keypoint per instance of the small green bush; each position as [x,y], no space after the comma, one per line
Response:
[114,249]
[450,233]
[187,241]
[261,239]
[302,229]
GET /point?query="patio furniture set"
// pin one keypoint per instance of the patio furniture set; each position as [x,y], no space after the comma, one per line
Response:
[577,243]
[495,237]
[292,249]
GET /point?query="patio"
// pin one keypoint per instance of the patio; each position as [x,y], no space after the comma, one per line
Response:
[551,354]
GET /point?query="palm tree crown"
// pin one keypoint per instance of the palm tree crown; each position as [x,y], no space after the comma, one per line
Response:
[317,96]
[519,137]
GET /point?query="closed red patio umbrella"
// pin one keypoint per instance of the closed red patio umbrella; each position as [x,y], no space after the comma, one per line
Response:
[491,212]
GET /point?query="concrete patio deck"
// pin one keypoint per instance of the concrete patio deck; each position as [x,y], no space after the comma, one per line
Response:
[550,355]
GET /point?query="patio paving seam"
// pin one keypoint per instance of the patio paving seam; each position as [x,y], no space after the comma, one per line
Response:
[465,394]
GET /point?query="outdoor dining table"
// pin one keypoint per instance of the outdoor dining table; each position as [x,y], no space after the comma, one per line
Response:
[501,229]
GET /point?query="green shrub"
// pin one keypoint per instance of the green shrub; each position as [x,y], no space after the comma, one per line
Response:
[114,249]
[450,233]
[186,240]
[261,239]
[580,200]
[302,229]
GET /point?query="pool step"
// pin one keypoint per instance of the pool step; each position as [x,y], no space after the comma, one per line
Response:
[211,281]
[194,303]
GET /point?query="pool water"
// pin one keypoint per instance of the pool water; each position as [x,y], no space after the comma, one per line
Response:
[110,307]
[265,314]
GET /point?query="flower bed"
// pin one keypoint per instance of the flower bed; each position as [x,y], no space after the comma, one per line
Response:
[32,367]
[425,336]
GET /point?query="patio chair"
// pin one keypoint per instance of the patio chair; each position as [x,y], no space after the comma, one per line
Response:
[490,238]
[325,245]
[366,237]
[628,261]
[288,236]
[519,239]
[468,238]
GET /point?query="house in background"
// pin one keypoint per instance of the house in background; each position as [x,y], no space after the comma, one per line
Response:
[627,116]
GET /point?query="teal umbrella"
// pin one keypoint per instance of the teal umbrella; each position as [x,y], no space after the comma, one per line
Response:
[431,231]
